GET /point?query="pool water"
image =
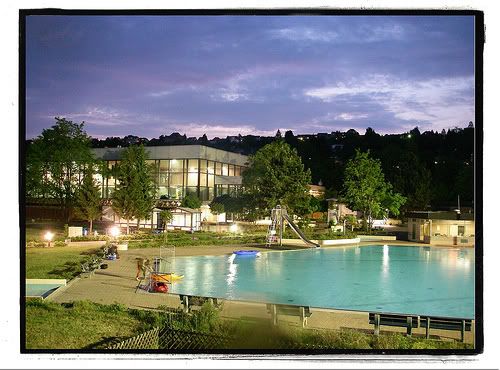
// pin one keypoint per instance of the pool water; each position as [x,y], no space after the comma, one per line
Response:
[400,279]
[40,290]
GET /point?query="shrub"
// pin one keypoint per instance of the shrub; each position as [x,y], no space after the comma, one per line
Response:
[391,341]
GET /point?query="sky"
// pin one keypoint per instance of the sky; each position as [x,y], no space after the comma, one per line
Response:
[230,75]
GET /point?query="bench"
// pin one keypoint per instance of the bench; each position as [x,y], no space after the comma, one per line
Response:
[386,319]
[280,309]
[445,323]
[188,301]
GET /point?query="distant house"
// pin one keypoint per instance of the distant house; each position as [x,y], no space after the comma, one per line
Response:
[337,210]
[316,191]
[444,228]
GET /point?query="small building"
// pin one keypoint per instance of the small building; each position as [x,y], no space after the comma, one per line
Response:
[337,210]
[442,228]
[317,191]
[184,218]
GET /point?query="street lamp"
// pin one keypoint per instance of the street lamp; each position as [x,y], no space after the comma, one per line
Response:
[48,237]
[233,228]
[114,231]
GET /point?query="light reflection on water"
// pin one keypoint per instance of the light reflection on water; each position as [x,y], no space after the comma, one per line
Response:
[420,280]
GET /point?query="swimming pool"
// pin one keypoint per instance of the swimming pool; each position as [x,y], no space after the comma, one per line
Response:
[42,288]
[401,279]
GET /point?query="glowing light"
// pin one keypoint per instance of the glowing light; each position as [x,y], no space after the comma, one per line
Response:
[114,231]
[233,228]
[48,236]
[409,136]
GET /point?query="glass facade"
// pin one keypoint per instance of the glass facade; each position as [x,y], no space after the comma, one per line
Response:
[175,178]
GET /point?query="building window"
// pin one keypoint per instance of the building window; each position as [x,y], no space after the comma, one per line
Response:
[461,230]
[211,167]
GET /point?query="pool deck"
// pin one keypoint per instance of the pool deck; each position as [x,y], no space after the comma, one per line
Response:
[117,284]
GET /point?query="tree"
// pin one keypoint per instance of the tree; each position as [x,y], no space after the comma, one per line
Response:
[166,216]
[134,195]
[216,209]
[55,161]
[366,190]
[88,199]
[275,176]
[191,201]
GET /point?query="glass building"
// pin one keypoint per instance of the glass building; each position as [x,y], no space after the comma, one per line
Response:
[183,169]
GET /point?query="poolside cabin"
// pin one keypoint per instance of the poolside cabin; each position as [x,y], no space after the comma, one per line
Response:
[442,228]
[184,218]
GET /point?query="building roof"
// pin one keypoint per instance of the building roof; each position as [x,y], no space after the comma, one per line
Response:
[187,210]
[178,152]
[440,215]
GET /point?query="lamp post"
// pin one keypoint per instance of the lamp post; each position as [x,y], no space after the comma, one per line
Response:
[48,237]
[114,231]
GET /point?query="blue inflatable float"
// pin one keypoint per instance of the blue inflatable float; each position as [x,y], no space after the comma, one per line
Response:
[247,253]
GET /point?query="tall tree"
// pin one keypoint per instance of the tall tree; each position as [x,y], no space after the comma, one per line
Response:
[88,199]
[55,161]
[275,176]
[366,190]
[134,195]
[217,209]
[191,201]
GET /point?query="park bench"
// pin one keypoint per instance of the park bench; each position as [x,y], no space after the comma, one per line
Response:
[387,319]
[445,323]
[189,301]
[290,310]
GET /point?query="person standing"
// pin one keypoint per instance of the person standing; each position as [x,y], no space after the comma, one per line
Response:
[142,266]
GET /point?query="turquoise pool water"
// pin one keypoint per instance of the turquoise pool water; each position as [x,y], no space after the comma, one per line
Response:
[40,290]
[401,279]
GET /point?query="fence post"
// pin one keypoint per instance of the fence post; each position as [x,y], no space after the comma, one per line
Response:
[377,324]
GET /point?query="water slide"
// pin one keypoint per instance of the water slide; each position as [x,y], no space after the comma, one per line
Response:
[299,232]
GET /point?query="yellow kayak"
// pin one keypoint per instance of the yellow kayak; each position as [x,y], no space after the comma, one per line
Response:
[166,277]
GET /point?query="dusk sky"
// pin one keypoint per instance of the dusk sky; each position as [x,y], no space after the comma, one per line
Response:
[230,75]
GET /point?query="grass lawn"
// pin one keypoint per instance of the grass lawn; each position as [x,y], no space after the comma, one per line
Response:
[56,262]
[53,326]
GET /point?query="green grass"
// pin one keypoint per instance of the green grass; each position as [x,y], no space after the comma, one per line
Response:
[56,262]
[53,326]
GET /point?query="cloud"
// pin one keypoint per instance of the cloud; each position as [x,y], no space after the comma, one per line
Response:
[349,116]
[442,101]
[104,116]
[340,34]
[303,34]
[220,130]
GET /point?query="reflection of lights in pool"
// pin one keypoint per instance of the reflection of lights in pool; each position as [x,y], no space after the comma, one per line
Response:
[233,268]
[385,259]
